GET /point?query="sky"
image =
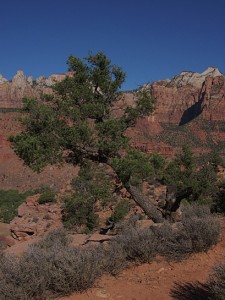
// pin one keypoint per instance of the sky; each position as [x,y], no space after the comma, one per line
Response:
[150,39]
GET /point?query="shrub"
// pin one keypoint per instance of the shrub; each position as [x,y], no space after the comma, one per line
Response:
[79,210]
[46,197]
[54,238]
[112,258]
[10,201]
[51,267]
[47,269]
[174,243]
[139,245]
[213,289]
[216,282]
[121,210]
[202,228]
[73,270]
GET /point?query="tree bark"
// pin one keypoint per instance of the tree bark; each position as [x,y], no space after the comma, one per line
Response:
[152,211]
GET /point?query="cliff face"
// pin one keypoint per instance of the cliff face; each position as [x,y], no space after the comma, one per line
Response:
[188,95]
[12,92]
[189,109]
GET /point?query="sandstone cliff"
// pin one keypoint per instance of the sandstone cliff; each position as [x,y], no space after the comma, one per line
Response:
[189,109]
[12,91]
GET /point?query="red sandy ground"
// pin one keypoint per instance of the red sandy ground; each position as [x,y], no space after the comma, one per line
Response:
[154,281]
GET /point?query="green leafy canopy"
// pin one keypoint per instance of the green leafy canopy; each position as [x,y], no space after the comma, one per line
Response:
[77,121]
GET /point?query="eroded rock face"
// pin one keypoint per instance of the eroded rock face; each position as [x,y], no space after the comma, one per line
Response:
[184,97]
[35,219]
[190,99]
[12,92]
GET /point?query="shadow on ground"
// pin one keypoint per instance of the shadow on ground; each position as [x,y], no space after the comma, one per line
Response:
[190,291]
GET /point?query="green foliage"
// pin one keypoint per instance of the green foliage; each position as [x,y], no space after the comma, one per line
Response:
[9,202]
[144,107]
[219,198]
[77,120]
[214,158]
[46,197]
[204,183]
[179,170]
[91,185]
[42,141]
[79,210]
[136,166]
[185,158]
[93,179]
[183,172]
[120,211]
[10,109]
[111,140]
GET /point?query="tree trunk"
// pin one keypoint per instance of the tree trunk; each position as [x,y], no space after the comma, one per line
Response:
[171,210]
[152,211]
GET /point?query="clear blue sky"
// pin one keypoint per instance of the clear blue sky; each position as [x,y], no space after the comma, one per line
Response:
[149,39]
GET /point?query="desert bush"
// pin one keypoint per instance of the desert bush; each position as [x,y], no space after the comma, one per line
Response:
[41,273]
[174,243]
[21,279]
[201,227]
[10,201]
[73,270]
[79,210]
[112,258]
[216,282]
[46,197]
[121,210]
[194,210]
[139,245]
[51,267]
[57,237]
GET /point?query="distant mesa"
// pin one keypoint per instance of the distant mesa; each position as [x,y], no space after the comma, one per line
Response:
[189,78]
[194,78]
[13,91]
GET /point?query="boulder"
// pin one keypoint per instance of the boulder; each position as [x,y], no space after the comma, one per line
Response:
[35,219]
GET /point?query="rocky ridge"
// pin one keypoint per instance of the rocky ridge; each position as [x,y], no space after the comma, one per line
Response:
[12,91]
[190,104]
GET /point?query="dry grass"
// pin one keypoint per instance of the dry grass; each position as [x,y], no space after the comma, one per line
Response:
[53,268]
[202,228]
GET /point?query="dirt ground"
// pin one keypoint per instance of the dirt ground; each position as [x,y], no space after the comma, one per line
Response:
[154,281]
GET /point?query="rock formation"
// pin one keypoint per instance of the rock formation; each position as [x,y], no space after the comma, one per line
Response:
[12,92]
[35,219]
[188,104]
[183,98]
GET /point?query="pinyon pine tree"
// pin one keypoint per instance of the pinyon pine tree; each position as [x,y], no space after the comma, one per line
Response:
[76,124]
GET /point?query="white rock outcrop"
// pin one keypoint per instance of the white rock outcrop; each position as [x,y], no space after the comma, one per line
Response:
[2,79]
[194,78]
